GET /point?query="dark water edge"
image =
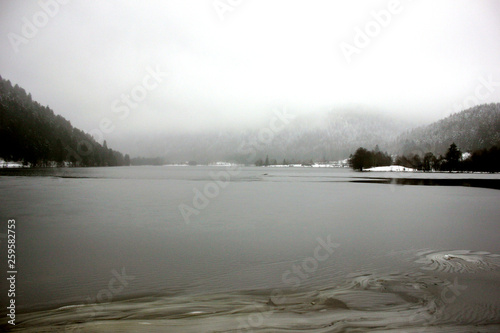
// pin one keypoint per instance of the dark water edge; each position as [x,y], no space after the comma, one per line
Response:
[52,172]
[420,179]
[482,183]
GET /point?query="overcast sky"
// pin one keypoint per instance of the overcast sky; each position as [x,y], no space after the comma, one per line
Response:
[233,62]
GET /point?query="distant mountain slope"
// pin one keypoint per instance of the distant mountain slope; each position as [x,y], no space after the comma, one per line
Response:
[472,129]
[336,135]
[322,136]
[32,133]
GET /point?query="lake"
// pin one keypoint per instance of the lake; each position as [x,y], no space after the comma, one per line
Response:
[247,249]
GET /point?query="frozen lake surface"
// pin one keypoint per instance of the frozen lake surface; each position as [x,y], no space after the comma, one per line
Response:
[215,249]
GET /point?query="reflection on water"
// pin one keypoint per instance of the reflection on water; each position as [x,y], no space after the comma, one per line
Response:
[484,183]
[106,249]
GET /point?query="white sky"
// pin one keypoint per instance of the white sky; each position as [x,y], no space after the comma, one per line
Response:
[265,53]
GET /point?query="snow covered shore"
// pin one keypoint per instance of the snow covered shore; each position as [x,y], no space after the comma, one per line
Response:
[391,168]
[5,164]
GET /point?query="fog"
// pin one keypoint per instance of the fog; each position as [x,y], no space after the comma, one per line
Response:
[131,68]
[260,165]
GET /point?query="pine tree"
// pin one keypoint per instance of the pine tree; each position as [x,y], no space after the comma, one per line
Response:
[453,157]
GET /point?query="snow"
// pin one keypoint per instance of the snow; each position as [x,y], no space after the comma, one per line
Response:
[221,163]
[4,164]
[391,168]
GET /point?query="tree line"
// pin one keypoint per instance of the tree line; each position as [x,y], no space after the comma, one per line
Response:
[33,134]
[483,160]
[147,161]
[273,161]
[364,159]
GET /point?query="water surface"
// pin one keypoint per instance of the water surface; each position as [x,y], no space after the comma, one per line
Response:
[108,249]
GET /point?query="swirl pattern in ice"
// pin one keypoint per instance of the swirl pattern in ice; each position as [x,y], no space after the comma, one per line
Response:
[459,261]
[366,302]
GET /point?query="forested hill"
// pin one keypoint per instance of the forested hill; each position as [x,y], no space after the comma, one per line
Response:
[33,134]
[320,136]
[472,129]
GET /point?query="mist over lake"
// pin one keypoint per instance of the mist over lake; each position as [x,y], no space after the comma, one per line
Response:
[228,166]
[311,245]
